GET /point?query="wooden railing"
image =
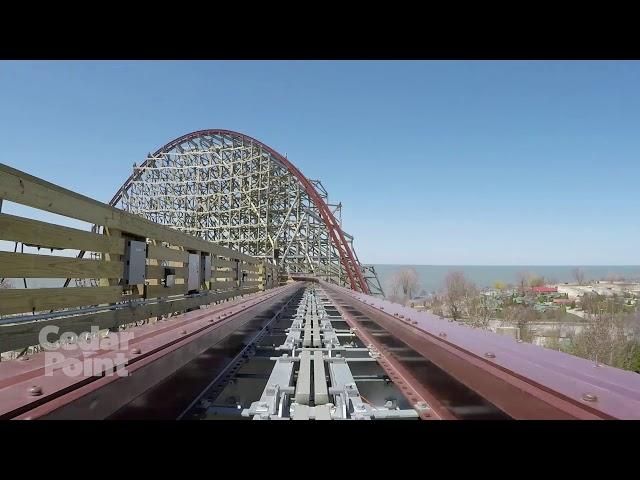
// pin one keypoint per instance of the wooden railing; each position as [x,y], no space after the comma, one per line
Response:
[178,272]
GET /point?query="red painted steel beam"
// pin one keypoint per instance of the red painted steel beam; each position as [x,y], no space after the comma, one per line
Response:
[347,258]
[523,380]
[156,351]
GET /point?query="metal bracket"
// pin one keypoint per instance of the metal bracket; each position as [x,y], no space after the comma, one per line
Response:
[135,256]
[205,268]
[193,279]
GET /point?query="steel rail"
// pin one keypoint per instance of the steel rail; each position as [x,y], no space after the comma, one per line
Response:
[250,342]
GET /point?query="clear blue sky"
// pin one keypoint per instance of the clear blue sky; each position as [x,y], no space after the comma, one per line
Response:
[435,162]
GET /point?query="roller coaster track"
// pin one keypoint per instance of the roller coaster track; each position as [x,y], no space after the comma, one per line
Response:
[181,326]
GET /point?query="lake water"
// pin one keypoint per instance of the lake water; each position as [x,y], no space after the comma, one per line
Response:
[432,276]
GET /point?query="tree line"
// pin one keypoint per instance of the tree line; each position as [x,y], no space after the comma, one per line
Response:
[610,334]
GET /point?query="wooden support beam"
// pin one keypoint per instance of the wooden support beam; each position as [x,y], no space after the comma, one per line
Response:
[113,234]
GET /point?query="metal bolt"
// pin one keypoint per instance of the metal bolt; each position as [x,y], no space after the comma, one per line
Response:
[490,355]
[136,351]
[35,391]
[589,397]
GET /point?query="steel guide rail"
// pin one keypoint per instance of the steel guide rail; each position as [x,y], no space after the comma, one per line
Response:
[313,346]
[232,366]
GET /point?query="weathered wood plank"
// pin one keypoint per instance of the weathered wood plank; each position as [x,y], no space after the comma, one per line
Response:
[219,263]
[223,274]
[27,265]
[153,291]
[223,285]
[164,253]
[47,235]
[18,300]
[20,335]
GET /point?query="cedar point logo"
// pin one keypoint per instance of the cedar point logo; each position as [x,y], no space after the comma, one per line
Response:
[72,353]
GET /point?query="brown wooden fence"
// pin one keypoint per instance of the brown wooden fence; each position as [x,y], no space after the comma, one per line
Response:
[177,272]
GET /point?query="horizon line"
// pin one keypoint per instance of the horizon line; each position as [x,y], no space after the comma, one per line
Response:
[504,265]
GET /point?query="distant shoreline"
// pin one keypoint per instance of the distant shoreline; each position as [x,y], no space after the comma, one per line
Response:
[432,276]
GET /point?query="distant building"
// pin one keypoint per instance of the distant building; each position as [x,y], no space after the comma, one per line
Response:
[606,289]
[544,289]
[573,291]
[563,301]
